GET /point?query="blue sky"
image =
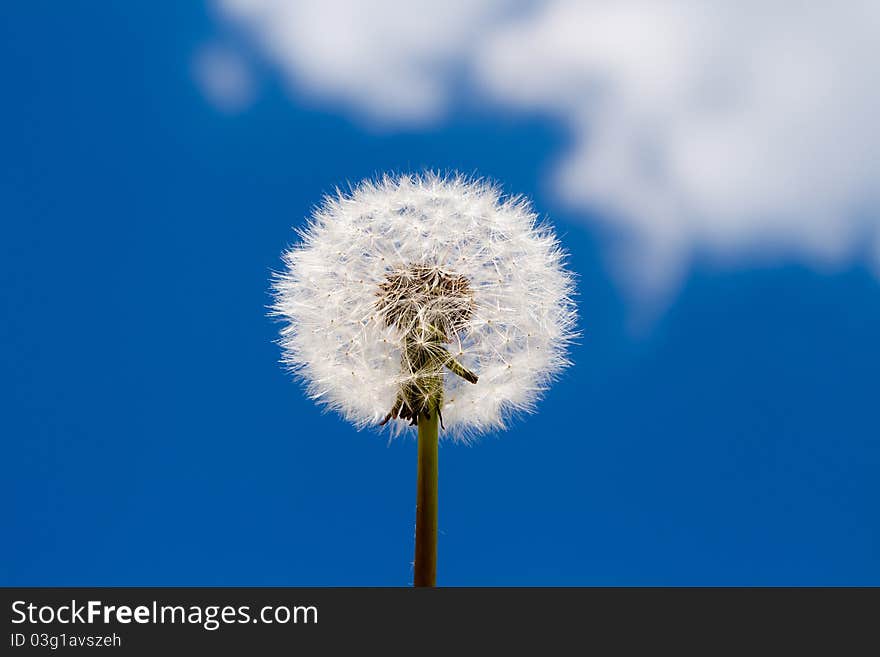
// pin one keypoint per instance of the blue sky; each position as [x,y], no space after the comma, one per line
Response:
[151,438]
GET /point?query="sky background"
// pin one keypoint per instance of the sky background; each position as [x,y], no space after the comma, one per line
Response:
[720,423]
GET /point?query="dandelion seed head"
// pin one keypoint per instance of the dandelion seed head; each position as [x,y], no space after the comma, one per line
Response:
[401,288]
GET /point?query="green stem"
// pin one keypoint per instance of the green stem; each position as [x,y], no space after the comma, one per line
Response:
[426,501]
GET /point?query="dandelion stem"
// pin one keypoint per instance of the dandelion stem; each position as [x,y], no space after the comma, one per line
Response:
[426,500]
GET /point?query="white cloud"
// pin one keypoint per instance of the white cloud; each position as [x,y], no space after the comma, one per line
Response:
[697,125]
[224,77]
[391,59]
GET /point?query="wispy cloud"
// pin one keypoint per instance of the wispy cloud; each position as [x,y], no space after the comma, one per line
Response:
[224,77]
[713,126]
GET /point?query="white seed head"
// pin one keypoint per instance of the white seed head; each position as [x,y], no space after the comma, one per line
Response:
[421,290]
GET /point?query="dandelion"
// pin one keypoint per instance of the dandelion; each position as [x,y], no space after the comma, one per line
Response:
[427,302]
